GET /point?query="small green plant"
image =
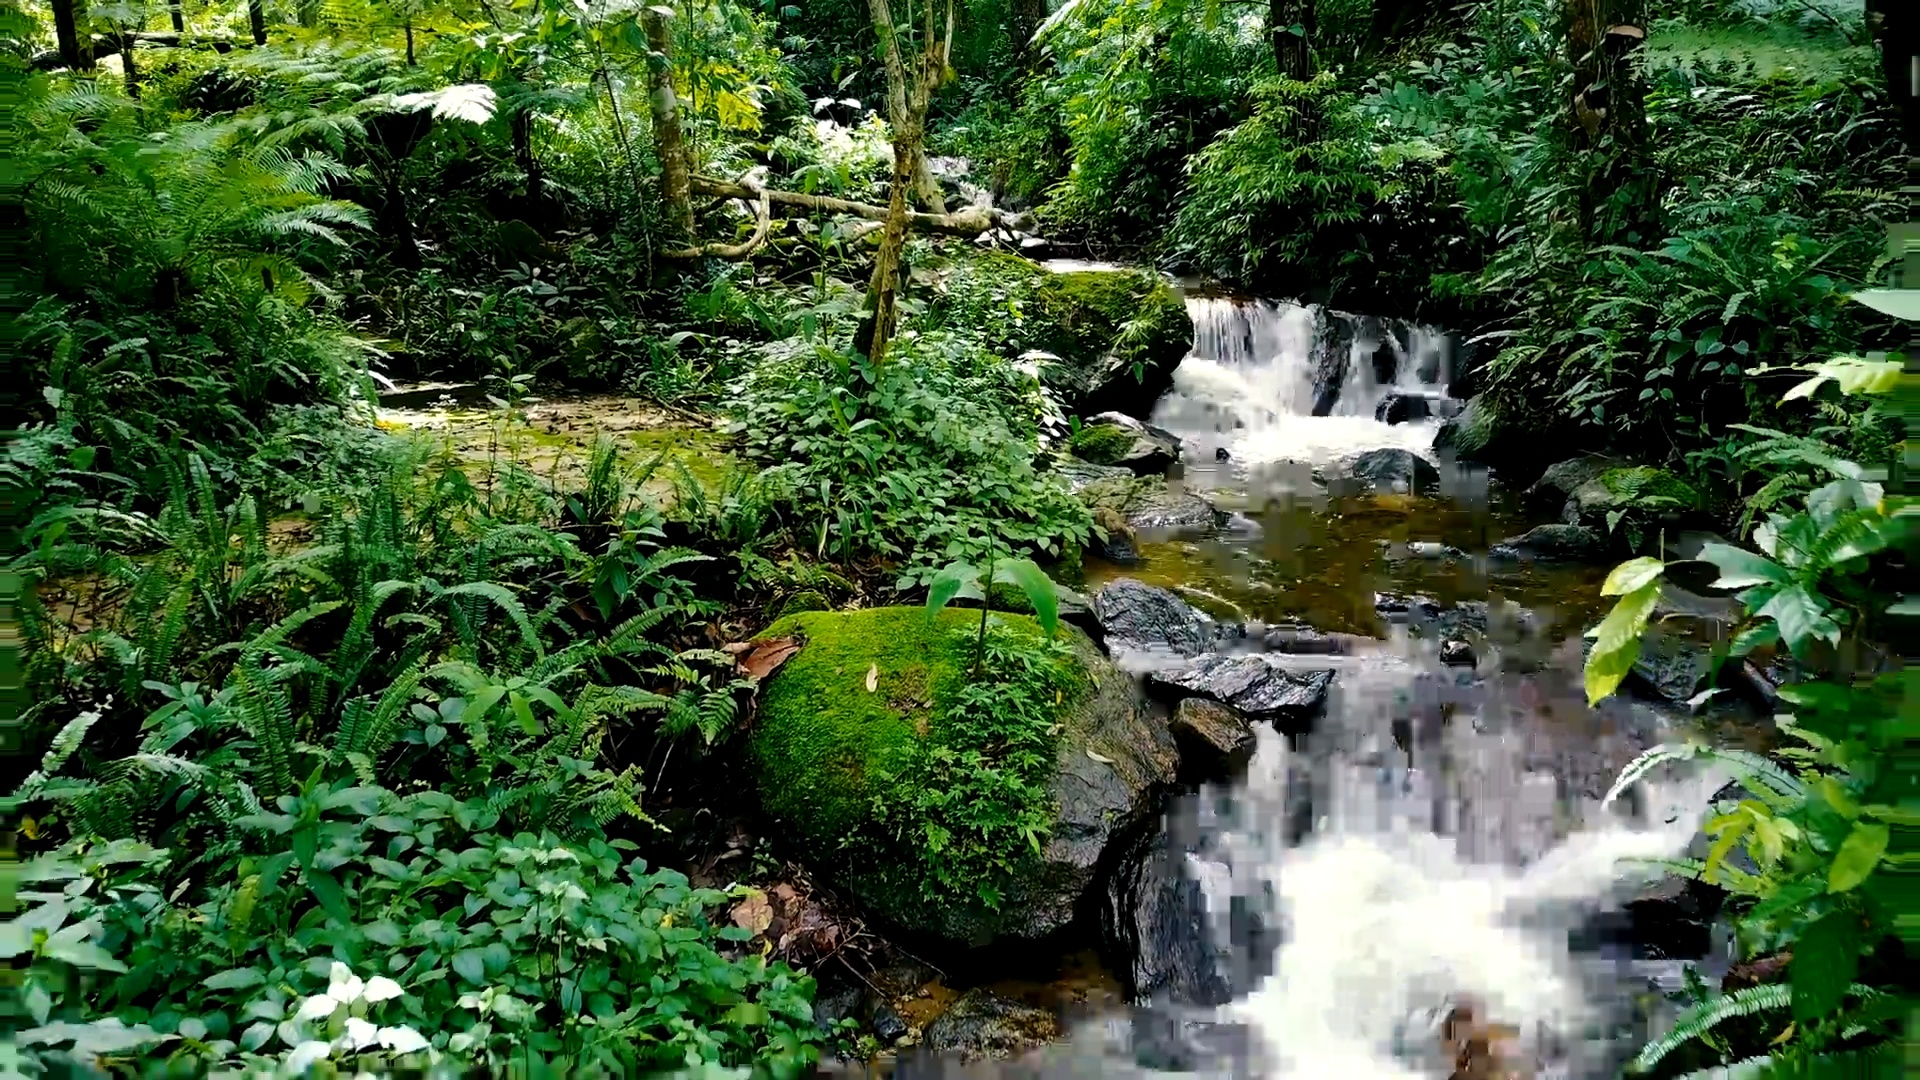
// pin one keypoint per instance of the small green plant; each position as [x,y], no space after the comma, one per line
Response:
[963,581]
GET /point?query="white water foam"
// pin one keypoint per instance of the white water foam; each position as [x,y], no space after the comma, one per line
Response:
[1250,384]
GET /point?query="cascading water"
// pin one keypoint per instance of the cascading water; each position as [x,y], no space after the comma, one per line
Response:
[1281,382]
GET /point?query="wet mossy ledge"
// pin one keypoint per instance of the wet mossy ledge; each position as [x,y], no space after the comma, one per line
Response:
[829,755]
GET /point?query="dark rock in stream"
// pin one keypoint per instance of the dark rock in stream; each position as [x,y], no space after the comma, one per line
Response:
[982,1024]
[1117,547]
[1299,639]
[1251,684]
[1175,1040]
[1399,408]
[1140,618]
[1457,653]
[1154,915]
[1565,477]
[1388,471]
[1552,541]
[887,1023]
[830,1008]
[1164,508]
[1213,737]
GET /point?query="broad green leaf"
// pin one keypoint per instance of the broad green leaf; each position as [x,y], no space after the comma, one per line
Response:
[1038,587]
[955,581]
[1825,958]
[236,979]
[1740,568]
[83,954]
[1899,303]
[1858,855]
[470,965]
[328,892]
[1632,575]
[1852,374]
[1617,641]
[1906,605]
[1801,617]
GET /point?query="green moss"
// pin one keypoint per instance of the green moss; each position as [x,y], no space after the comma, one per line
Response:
[806,600]
[820,735]
[1102,444]
[824,745]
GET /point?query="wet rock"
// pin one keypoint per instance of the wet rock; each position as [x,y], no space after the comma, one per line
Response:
[1457,653]
[1220,453]
[1671,668]
[1392,470]
[1406,607]
[1165,508]
[1299,639]
[1035,247]
[1553,541]
[1138,617]
[1114,438]
[982,1024]
[1172,1040]
[1212,735]
[1118,545]
[1563,478]
[1400,408]
[886,1023]
[1155,917]
[1332,355]
[1250,684]
[834,1006]
[822,743]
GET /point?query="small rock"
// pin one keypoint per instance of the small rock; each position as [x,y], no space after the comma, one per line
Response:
[1035,247]
[1140,617]
[1166,508]
[1564,478]
[1400,408]
[1392,470]
[1250,684]
[1118,547]
[1457,653]
[1220,454]
[1114,438]
[1427,549]
[1552,541]
[887,1024]
[982,1024]
[1167,1040]
[1306,640]
[831,1008]
[1214,733]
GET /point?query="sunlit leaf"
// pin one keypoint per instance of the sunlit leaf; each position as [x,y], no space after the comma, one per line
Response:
[1858,855]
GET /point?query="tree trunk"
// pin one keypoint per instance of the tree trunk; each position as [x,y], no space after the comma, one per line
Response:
[69,29]
[411,62]
[127,65]
[669,143]
[909,129]
[257,20]
[523,156]
[178,16]
[1290,26]
[926,189]
[396,223]
[1023,21]
[1609,117]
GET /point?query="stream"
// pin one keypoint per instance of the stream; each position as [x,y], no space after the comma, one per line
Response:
[1436,837]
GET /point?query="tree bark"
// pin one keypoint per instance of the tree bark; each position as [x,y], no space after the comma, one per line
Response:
[521,126]
[1023,21]
[127,64]
[925,187]
[1609,116]
[76,45]
[669,142]
[1292,50]
[178,16]
[883,291]
[257,20]
[971,221]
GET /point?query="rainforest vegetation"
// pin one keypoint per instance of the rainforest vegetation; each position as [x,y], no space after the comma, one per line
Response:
[351,732]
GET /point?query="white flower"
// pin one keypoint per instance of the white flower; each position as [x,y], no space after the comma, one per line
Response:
[402,1040]
[360,1034]
[381,988]
[343,985]
[302,1057]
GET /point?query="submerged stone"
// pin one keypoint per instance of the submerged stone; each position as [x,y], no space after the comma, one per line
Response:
[982,1024]
[1552,541]
[1389,471]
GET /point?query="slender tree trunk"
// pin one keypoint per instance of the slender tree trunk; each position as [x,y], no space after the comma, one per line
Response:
[909,129]
[926,189]
[1609,116]
[127,64]
[669,142]
[178,16]
[411,61]
[523,156]
[395,220]
[1023,21]
[70,30]
[1290,26]
[257,20]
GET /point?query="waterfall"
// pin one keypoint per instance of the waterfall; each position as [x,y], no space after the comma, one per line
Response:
[1283,382]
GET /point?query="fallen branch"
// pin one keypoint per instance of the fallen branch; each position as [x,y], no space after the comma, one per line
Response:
[969,222]
[754,193]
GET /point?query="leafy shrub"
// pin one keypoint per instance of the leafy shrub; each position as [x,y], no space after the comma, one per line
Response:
[920,461]
[497,947]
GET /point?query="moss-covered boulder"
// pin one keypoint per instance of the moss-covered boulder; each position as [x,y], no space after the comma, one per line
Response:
[828,750]
[1114,336]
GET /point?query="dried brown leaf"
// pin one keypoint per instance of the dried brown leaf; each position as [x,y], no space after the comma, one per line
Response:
[766,656]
